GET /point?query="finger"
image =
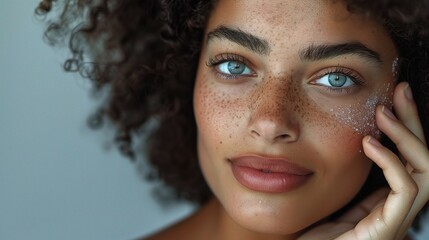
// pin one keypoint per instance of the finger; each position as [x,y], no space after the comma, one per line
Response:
[412,148]
[403,187]
[386,219]
[406,109]
[409,145]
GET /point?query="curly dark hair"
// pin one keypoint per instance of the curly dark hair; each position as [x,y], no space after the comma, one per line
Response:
[144,54]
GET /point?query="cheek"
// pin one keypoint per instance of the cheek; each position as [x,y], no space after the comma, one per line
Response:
[359,115]
[337,149]
[332,141]
[204,106]
[342,166]
[340,151]
[218,113]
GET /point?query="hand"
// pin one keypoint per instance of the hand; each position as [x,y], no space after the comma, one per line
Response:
[387,214]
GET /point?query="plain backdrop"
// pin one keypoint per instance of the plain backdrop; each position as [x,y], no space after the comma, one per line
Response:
[58,180]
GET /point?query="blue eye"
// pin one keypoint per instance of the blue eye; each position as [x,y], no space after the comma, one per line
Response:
[336,80]
[234,68]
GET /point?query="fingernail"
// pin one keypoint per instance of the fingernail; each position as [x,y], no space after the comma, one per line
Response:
[374,142]
[408,93]
[388,113]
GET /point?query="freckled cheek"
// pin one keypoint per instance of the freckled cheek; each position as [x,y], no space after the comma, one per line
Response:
[332,135]
[218,113]
[342,141]
[331,138]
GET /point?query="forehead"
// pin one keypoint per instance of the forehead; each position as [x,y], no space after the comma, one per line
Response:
[272,12]
[285,23]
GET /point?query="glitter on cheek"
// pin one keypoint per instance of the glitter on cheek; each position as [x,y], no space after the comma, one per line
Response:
[395,68]
[361,116]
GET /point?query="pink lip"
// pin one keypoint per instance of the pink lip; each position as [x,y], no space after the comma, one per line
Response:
[265,174]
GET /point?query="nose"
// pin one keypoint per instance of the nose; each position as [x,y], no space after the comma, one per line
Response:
[273,117]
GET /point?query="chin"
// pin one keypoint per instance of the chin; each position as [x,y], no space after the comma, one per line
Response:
[271,225]
[266,217]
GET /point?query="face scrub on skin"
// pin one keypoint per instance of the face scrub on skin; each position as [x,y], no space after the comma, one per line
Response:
[361,116]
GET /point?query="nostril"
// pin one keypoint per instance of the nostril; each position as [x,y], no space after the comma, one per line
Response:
[272,131]
[255,133]
[283,136]
[274,137]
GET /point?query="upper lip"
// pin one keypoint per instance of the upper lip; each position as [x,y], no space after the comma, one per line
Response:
[269,164]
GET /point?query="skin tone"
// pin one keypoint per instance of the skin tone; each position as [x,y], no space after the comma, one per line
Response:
[279,93]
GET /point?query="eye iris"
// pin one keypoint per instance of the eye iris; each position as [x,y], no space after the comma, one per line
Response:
[337,80]
[236,67]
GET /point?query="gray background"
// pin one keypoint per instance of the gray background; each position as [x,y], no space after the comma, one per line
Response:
[57,180]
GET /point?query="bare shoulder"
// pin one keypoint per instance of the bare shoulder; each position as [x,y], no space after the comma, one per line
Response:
[188,228]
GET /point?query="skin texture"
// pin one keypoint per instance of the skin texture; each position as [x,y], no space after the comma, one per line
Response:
[280,111]
[279,108]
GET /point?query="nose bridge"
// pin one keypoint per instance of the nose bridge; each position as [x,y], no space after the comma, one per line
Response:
[272,110]
[268,101]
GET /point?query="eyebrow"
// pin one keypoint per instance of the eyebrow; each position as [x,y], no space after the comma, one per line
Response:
[311,53]
[247,40]
[321,52]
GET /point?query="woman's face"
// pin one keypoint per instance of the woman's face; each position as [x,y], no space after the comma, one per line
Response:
[285,92]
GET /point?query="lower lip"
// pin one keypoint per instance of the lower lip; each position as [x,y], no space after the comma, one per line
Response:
[257,180]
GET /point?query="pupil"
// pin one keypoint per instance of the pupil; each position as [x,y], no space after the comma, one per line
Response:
[337,80]
[236,67]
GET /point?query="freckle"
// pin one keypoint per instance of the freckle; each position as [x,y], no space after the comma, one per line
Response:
[220,142]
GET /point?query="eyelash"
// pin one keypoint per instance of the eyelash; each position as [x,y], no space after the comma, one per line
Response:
[216,60]
[225,57]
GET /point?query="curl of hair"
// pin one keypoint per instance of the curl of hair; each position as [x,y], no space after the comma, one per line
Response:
[146,54]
